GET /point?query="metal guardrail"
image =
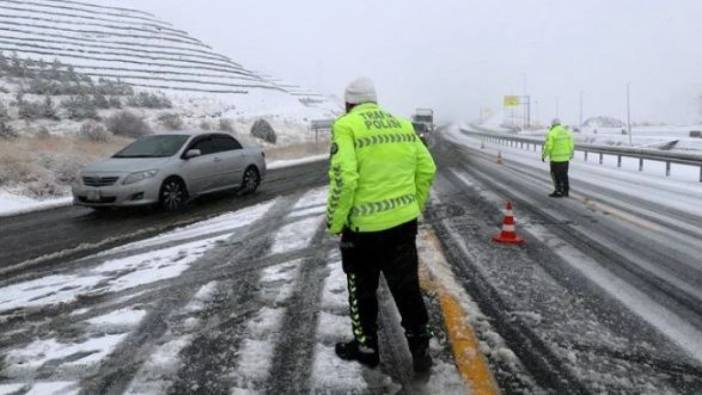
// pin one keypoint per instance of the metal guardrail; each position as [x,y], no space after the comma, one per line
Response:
[642,154]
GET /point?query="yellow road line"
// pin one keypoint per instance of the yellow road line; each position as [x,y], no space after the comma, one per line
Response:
[471,363]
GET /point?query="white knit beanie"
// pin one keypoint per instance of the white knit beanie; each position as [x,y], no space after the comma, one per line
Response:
[360,91]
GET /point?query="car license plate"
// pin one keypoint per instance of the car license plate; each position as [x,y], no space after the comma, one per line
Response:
[94,195]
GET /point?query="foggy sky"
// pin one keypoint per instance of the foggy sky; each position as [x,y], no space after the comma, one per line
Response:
[459,56]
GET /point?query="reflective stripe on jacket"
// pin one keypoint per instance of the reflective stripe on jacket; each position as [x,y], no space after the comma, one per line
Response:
[559,144]
[380,172]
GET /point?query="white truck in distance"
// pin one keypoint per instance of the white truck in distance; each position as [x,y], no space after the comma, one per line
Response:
[424,116]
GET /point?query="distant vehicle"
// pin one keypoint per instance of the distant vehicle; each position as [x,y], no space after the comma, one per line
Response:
[170,169]
[421,130]
[425,116]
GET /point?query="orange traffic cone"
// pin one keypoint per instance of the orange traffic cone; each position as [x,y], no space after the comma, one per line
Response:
[509,233]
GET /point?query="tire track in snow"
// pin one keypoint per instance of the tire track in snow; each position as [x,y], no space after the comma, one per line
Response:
[641,347]
[294,353]
[99,303]
[395,357]
[329,373]
[544,365]
[117,371]
[580,304]
[235,354]
[630,259]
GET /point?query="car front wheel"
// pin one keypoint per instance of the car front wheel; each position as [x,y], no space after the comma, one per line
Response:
[251,181]
[173,195]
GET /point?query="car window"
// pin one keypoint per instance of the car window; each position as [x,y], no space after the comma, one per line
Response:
[226,143]
[206,145]
[159,146]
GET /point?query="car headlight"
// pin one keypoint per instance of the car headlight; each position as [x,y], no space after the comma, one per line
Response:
[139,176]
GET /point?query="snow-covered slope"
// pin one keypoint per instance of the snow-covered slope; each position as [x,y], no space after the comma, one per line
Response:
[72,71]
[141,50]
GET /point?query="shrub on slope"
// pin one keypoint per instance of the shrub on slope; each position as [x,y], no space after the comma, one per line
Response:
[95,132]
[171,121]
[42,167]
[80,107]
[4,116]
[225,125]
[31,110]
[6,131]
[149,100]
[128,124]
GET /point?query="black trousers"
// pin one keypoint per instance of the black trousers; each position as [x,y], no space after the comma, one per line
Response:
[394,253]
[559,174]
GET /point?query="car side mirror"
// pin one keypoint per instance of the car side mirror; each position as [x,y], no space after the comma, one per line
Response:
[192,153]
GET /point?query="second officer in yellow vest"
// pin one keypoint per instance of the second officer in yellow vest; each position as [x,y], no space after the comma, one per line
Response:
[380,175]
[559,147]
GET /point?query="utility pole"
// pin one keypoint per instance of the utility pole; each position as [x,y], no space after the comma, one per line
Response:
[527,102]
[581,109]
[628,112]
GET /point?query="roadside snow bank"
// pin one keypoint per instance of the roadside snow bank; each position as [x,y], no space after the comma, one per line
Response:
[279,164]
[11,204]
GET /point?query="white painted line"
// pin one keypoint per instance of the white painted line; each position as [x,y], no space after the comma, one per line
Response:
[279,164]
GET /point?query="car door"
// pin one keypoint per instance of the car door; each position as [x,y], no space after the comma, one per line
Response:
[201,171]
[233,160]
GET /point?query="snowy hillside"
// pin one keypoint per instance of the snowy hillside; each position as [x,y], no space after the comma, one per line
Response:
[139,49]
[79,80]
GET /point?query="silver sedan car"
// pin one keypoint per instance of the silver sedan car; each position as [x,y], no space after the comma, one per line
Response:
[170,169]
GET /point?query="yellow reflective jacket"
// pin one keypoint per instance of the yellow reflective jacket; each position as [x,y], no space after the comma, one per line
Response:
[380,172]
[559,145]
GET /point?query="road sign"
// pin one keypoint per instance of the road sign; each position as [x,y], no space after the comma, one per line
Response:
[324,124]
[318,125]
[511,101]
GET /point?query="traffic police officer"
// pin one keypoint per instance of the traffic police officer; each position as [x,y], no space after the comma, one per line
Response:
[559,147]
[380,175]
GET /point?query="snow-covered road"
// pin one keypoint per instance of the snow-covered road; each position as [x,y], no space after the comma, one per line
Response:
[39,239]
[247,302]
[605,296]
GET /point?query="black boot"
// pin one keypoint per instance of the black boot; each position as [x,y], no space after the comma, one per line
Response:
[419,347]
[556,194]
[354,351]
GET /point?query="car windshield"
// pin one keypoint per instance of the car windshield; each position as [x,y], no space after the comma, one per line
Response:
[153,147]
